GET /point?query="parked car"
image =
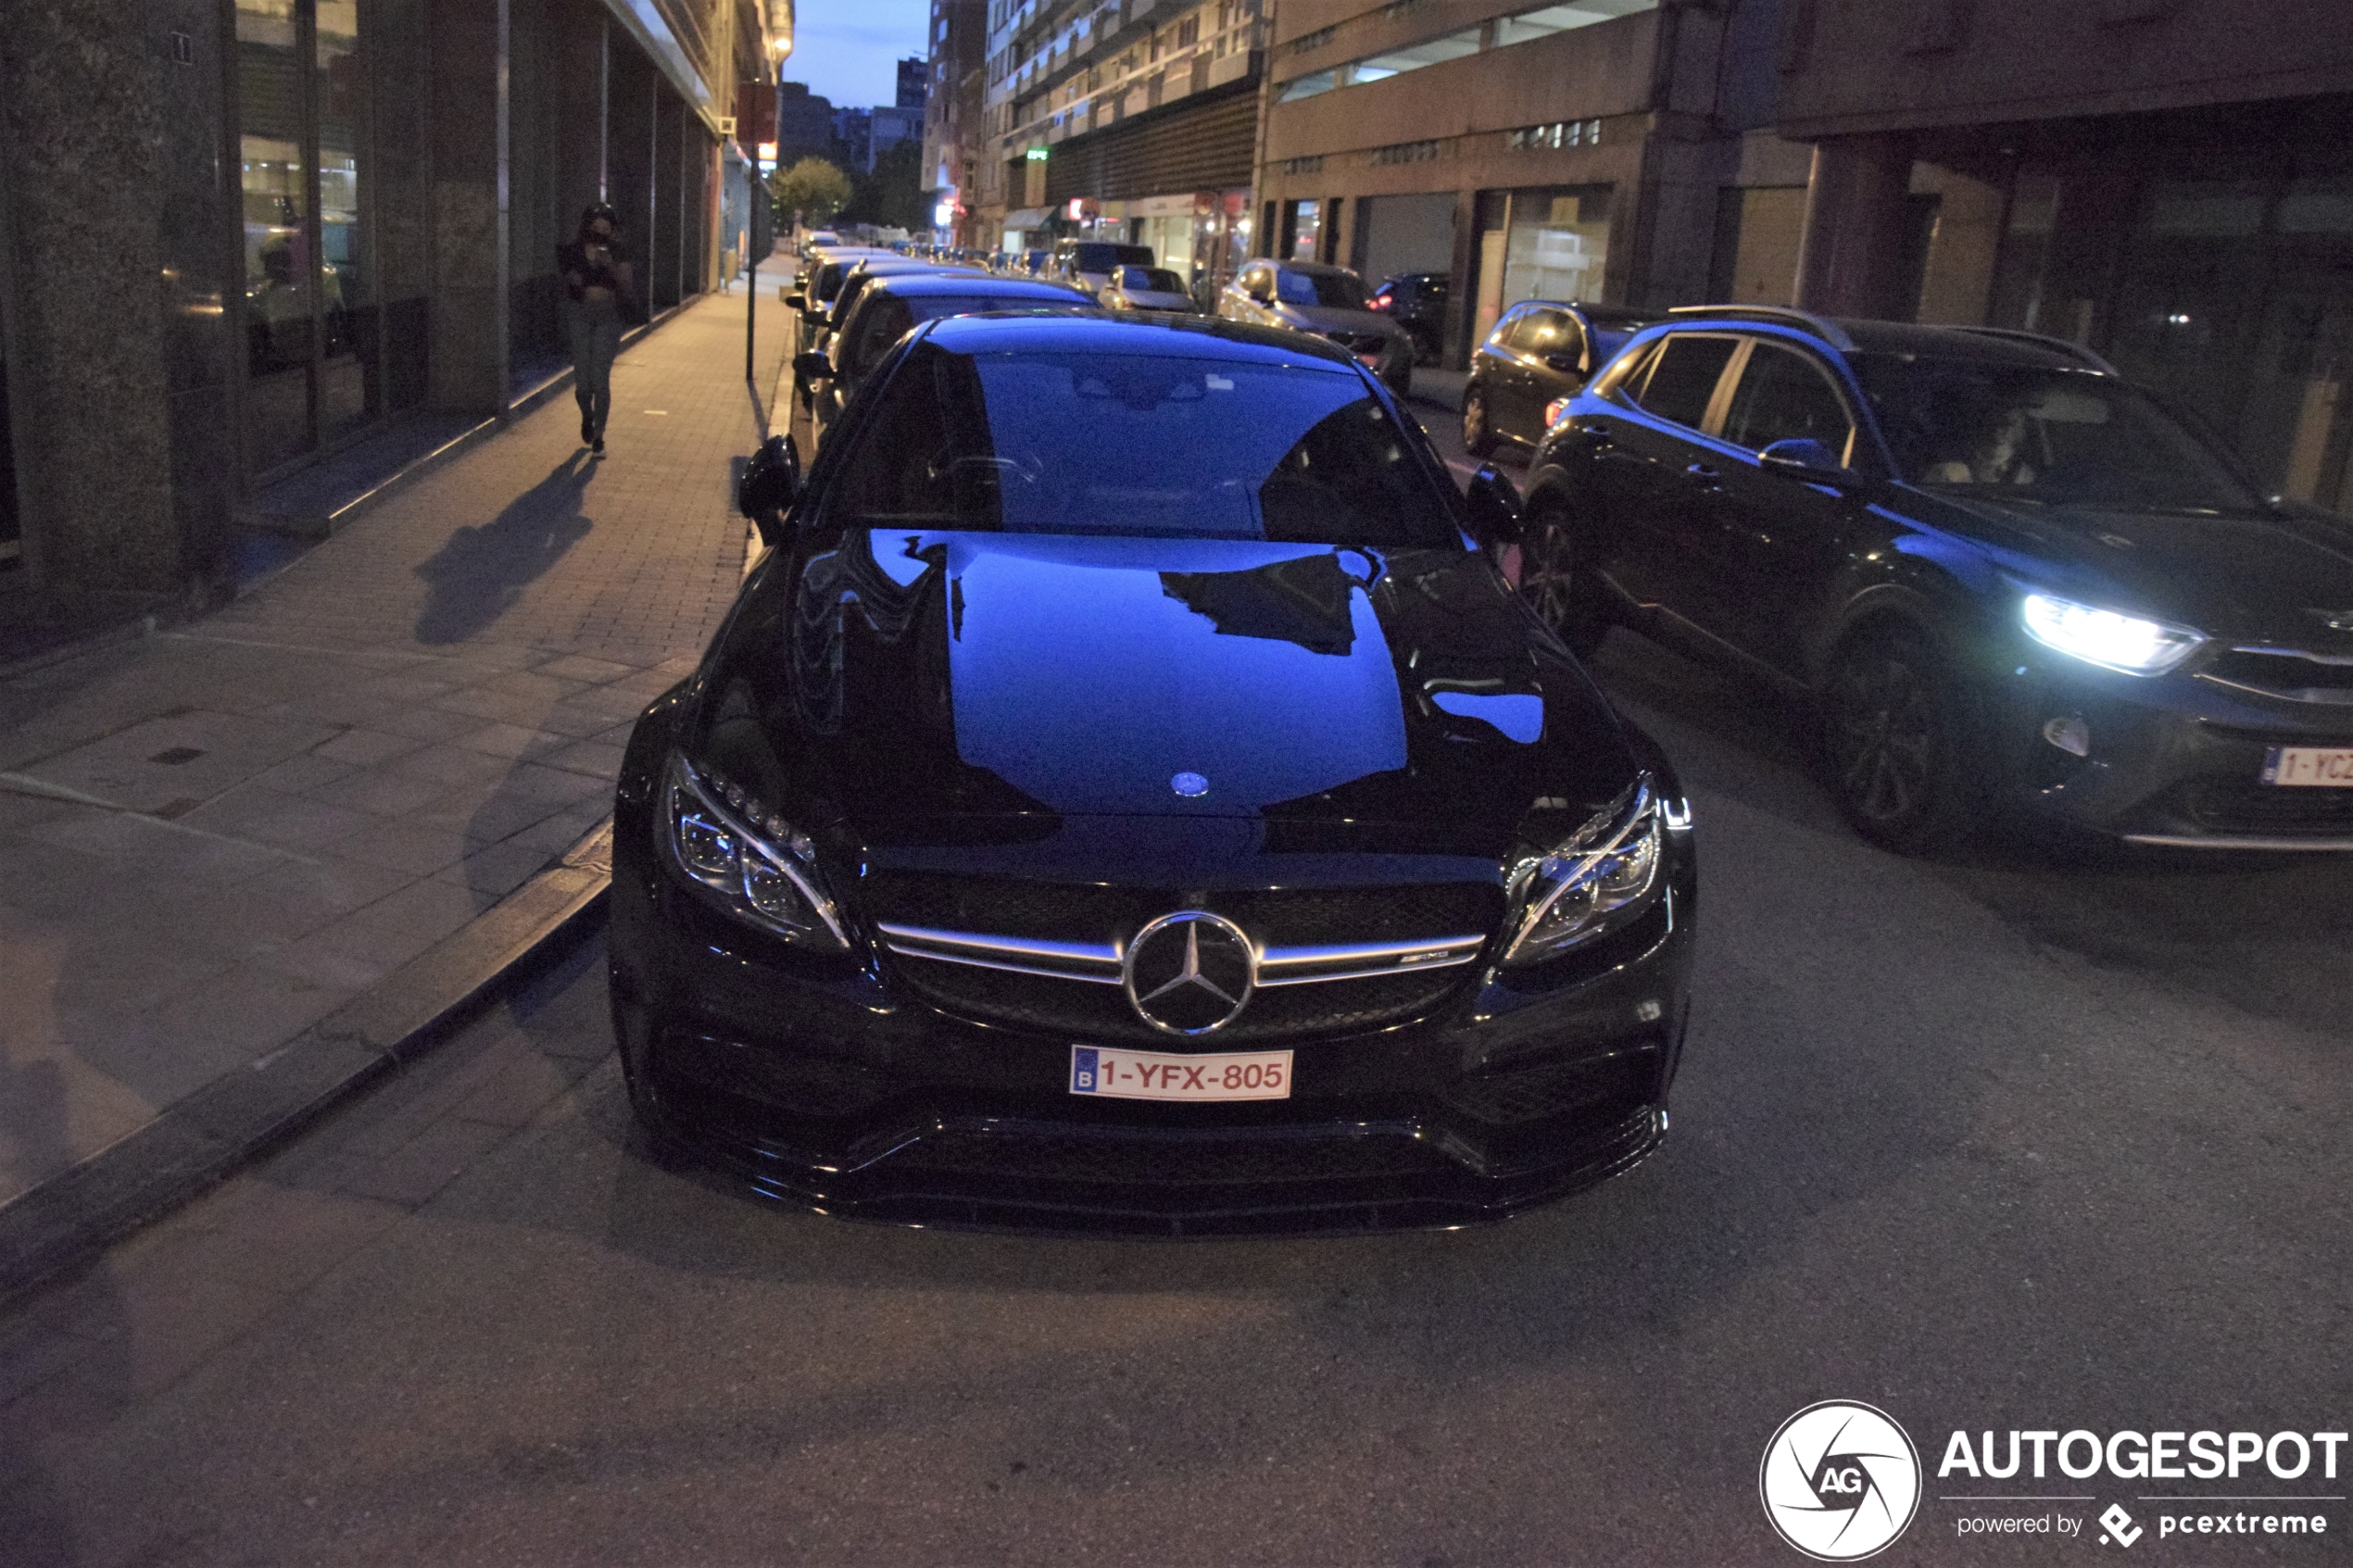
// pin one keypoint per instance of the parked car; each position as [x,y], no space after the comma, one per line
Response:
[2003,575]
[1417,301]
[1538,354]
[1331,302]
[1147,288]
[1121,802]
[822,279]
[867,271]
[888,307]
[1088,264]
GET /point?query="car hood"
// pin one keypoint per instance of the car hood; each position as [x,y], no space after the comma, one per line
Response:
[2250,576]
[970,688]
[1331,318]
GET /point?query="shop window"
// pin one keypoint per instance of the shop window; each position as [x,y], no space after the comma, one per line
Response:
[311,326]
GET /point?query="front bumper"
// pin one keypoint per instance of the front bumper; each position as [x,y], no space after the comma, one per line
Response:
[826,1084]
[2175,759]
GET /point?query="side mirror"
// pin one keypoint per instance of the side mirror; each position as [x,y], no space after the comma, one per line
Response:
[796,301]
[1492,502]
[1803,458]
[811,366]
[770,484]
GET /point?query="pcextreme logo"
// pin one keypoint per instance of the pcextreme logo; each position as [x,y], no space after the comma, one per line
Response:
[1840,1481]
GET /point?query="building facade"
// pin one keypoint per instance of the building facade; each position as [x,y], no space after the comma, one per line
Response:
[2170,185]
[1132,120]
[1574,151]
[954,181]
[239,235]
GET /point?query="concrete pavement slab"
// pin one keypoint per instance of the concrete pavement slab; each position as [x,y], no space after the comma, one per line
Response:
[323,783]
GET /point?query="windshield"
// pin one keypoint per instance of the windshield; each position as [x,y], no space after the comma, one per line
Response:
[1102,257]
[1150,279]
[1342,290]
[2050,436]
[1034,442]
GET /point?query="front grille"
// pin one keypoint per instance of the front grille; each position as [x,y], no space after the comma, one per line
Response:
[2286,674]
[1294,918]
[2245,808]
[1093,1012]
[1131,1158]
[1090,1012]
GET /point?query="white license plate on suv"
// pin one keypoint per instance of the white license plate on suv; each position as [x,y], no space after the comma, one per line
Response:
[2323,767]
[1125,1075]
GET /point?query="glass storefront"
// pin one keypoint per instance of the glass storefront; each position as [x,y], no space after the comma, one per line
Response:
[311,334]
[2232,295]
[1546,243]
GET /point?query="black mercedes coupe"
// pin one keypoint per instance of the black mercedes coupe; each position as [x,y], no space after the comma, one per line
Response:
[1124,799]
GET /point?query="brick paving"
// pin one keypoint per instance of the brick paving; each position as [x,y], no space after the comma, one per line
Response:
[215,836]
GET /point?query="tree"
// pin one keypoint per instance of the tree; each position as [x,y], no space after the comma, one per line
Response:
[809,192]
[893,195]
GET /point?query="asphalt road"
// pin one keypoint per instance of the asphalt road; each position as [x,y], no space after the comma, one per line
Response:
[1987,1143]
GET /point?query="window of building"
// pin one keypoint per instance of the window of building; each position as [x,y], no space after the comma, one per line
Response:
[1528,26]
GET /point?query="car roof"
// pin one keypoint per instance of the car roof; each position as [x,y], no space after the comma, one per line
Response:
[1911,339]
[1314,268]
[1176,337]
[1898,339]
[915,285]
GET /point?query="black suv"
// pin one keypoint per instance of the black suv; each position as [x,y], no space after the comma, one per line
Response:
[2003,575]
[1536,357]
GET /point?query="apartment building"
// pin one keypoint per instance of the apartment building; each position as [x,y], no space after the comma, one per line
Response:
[1126,120]
[1579,150]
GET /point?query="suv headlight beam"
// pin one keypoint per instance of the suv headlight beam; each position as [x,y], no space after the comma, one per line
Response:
[2106,638]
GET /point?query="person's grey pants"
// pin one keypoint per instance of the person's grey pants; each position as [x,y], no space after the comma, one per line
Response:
[595,329]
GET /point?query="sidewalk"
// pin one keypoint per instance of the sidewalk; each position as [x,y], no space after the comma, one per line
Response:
[216,835]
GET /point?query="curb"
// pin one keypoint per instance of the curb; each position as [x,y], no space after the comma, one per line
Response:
[202,1139]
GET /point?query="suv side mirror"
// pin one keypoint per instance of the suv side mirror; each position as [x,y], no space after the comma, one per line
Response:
[811,366]
[1492,502]
[769,486]
[1803,458]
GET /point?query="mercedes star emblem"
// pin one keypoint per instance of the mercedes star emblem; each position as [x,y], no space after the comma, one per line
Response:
[1190,973]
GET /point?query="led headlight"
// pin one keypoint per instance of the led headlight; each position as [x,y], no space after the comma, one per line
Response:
[2108,638]
[750,860]
[1604,875]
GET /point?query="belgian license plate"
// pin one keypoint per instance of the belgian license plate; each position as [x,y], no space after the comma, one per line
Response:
[2323,767]
[1125,1075]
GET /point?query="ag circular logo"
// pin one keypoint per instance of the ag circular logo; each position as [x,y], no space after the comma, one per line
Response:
[1190,973]
[1840,1481]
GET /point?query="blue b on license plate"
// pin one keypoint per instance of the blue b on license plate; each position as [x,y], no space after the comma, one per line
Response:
[1125,1075]
[2310,767]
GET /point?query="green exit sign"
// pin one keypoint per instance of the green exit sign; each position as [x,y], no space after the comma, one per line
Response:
[1036,155]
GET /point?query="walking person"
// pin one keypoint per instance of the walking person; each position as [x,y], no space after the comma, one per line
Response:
[596,276]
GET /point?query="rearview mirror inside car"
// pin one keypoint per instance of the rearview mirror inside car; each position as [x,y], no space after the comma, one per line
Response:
[1493,504]
[1803,457]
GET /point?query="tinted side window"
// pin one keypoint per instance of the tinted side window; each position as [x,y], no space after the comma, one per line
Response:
[1550,332]
[1506,331]
[882,324]
[1683,377]
[1782,397]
